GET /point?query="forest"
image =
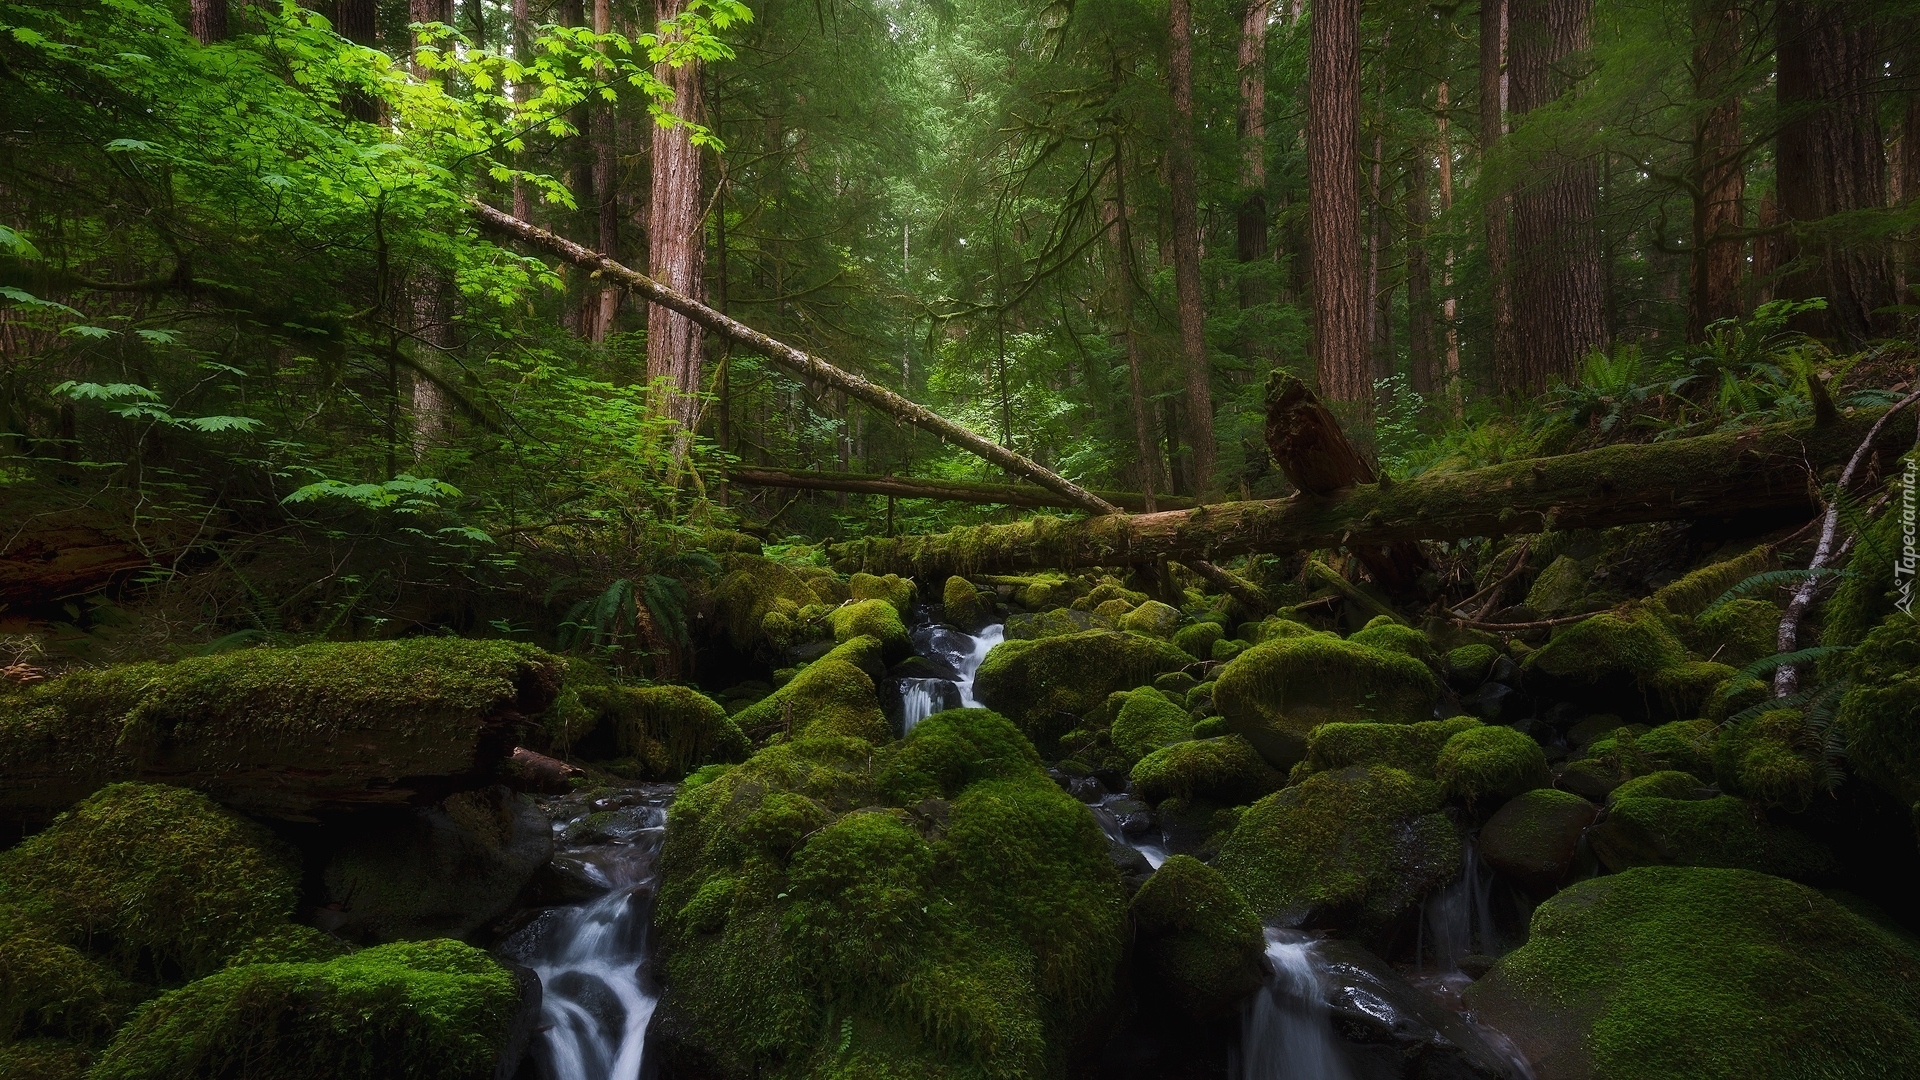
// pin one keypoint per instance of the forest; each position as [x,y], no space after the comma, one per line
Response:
[959,539]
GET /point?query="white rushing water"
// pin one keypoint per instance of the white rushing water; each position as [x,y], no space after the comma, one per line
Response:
[1286,1033]
[596,993]
[969,665]
[1139,834]
[1458,920]
[962,653]
[921,698]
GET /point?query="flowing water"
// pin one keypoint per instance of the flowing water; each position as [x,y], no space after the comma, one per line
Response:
[597,994]
[1131,823]
[947,647]
[1458,920]
[1286,1032]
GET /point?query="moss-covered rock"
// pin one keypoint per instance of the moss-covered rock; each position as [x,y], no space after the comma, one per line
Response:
[932,907]
[1686,688]
[1737,632]
[1881,712]
[1490,764]
[1277,692]
[1275,628]
[44,1059]
[1106,592]
[280,732]
[1222,770]
[1224,651]
[1148,721]
[1775,758]
[1046,685]
[1176,685]
[1665,784]
[1692,593]
[49,988]
[1721,832]
[1409,747]
[1198,638]
[1355,849]
[1535,836]
[1153,619]
[1469,665]
[1560,587]
[1683,745]
[834,695]
[967,609]
[755,588]
[1610,648]
[1382,632]
[894,589]
[667,731]
[1052,623]
[876,619]
[434,1010]
[1199,944]
[1713,974]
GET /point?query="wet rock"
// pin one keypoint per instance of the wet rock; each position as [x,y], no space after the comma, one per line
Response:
[923,667]
[1197,940]
[1534,838]
[966,608]
[1489,700]
[1394,1029]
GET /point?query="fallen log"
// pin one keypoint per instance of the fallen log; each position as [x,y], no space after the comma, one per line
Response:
[914,487]
[803,364]
[1759,469]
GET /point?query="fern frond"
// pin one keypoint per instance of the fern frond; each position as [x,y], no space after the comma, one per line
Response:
[1767,665]
[1772,579]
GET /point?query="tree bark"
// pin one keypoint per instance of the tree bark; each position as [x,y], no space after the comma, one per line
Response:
[208,20]
[911,487]
[432,321]
[1718,256]
[358,22]
[1559,281]
[1450,306]
[1251,215]
[1419,279]
[786,356]
[1184,195]
[676,248]
[1499,204]
[1379,240]
[1122,277]
[598,320]
[1333,194]
[1829,160]
[1728,473]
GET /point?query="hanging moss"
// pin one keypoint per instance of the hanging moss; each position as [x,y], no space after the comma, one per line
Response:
[1277,692]
[1198,638]
[1712,974]
[834,695]
[430,1010]
[1490,764]
[1045,686]
[1643,830]
[1382,632]
[1881,712]
[876,619]
[894,589]
[1222,770]
[1199,942]
[1148,721]
[1411,747]
[1353,849]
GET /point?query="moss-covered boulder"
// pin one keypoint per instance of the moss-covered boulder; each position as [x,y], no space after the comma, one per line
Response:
[1681,745]
[834,695]
[44,1059]
[432,1010]
[1561,586]
[966,608]
[1383,632]
[1711,974]
[932,907]
[1277,692]
[664,732]
[1720,832]
[1776,758]
[1469,665]
[894,589]
[1046,685]
[1411,747]
[1611,652]
[1198,638]
[756,589]
[1535,836]
[1199,946]
[286,733]
[1490,764]
[1665,784]
[1881,712]
[1737,632]
[1153,619]
[1222,770]
[876,619]
[1355,849]
[1052,623]
[1148,721]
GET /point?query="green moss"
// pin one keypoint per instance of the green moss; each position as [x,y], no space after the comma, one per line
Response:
[44,1059]
[1212,727]
[949,751]
[1153,619]
[1045,686]
[1712,974]
[1277,692]
[1410,747]
[1052,623]
[1108,591]
[426,1010]
[1176,685]
[894,589]
[755,588]
[1691,594]
[1198,940]
[1148,721]
[1490,764]
[1352,849]
[1113,611]
[1275,628]
[159,879]
[834,695]
[876,619]
[1222,770]
[1383,632]
[670,730]
[290,943]
[967,608]
[1533,838]
[1881,712]
[1666,784]
[50,988]
[1227,650]
[1738,632]
[1198,639]
[1774,758]
[1686,688]
[826,585]
[1609,647]
[1685,745]
[1560,587]
[1724,832]
[1471,663]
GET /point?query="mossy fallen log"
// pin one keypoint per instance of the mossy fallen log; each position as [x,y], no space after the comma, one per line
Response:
[284,733]
[1723,474]
[918,487]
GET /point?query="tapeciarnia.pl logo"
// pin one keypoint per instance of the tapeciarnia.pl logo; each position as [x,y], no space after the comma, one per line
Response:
[1904,563]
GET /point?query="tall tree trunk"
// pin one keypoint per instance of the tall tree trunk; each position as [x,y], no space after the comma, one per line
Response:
[208,20]
[1718,256]
[1829,161]
[358,22]
[1186,248]
[1449,306]
[1379,245]
[1499,204]
[1559,281]
[599,321]
[1419,278]
[675,237]
[1251,216]
[1122,276]
[1333,193]
[432,322]
[523,53]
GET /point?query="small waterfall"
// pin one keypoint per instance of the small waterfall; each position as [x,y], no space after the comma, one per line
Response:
[1457,921]
[1286,1032]
[596,992]
[1134,829]
[950,650]
[983,643]
[921,698]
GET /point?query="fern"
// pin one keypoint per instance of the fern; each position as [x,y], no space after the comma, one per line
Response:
[1772,579]
[1767,665]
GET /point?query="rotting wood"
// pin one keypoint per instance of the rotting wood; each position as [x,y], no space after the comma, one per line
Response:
[915,487]
[800,363]
[1756,470]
